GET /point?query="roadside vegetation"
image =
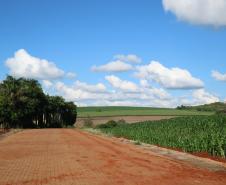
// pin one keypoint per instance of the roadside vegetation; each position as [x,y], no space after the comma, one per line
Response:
[136,111]
[23,104]
[191,133]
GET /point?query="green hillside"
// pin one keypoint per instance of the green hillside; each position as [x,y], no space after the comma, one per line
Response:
[213,107]
[135,111]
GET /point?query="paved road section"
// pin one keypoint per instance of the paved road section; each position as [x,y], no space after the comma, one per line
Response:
[72,157]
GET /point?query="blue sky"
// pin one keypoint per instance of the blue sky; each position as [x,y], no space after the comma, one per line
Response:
[77,35]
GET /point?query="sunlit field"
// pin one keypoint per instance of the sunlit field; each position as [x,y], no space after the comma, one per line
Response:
[135,111]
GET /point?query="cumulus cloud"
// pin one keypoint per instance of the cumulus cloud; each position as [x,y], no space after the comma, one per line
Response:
[114,66]
[133,102]
[174,78]
[203,97]
[122,92]
[47,84]
[80,91]
[158,93]
[219,76]
[25,65]
[144,83]
[123,85]
[119,64]
[97,94]
[70,75]
[98,88]
[129,95]
[128,58]
[203,12]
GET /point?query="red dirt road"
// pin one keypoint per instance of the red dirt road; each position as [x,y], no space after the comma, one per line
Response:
[71,157]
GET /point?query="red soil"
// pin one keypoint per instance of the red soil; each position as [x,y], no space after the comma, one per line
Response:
[69,157]
[3,131]
[208,156]
[198,154]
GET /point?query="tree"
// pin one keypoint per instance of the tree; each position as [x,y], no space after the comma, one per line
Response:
[23,104]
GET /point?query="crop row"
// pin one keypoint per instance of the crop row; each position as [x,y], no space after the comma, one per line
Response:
[190,133]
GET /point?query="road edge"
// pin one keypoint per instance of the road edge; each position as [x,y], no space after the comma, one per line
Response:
[177,156]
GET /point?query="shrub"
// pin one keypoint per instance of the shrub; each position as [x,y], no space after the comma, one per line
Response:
[88,122]
[221,112]
[121,121]
[99,110]
[109,124]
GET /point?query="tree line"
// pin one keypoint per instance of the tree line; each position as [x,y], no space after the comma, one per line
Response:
[218,107]
[23,104]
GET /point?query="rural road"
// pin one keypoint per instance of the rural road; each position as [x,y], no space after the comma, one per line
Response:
[73,157]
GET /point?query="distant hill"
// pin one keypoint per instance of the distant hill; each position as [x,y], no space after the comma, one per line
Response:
[214,107]
[136,111]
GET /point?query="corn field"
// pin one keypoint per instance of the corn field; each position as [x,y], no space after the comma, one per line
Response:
[191,133]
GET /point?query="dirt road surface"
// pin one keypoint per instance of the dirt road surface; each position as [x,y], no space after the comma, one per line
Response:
[72,157]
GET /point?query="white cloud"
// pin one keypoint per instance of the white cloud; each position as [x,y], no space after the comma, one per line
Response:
[159,93]
[148,90]
[123,85]
[69,93]
[98,88]
[204,12]
[114,66]
[119,64]
[98,95]
[200,97]
[219,76]
[47,84]
[130,94]
[81,91]
[174,78]
[144,83]
[25,65]
[132,102]
[137,99]
[128,58]
[193,98]
[70,75]
[122,92]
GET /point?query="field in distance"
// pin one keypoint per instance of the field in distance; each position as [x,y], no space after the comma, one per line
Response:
[135,111]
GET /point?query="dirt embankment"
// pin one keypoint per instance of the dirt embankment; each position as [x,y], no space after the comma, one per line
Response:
[66,157]
[6,132]
[3,131]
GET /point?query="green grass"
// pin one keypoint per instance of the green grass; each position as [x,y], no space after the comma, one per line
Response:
[190,133]
[135,111]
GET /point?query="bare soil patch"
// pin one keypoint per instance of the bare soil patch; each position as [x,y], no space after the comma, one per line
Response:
[73,157]
[128,119]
